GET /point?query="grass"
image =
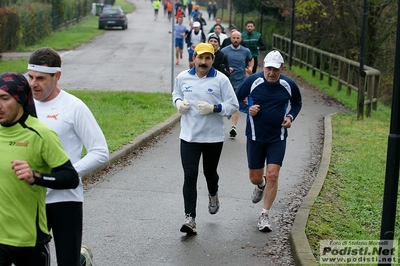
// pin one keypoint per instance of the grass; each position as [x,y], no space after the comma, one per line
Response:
[349,206]
[69,38]
[124,115]
[13,65]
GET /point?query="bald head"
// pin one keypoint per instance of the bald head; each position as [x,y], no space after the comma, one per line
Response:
[236,38]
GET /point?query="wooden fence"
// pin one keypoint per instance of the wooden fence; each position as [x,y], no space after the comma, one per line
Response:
[346,72]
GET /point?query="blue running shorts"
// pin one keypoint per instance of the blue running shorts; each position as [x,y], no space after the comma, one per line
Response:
[259,153]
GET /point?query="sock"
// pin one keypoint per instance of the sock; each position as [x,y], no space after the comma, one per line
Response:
[262,185]
[265,211]
[233,126]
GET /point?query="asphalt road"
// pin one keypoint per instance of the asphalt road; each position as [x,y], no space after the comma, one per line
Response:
[137,59]
[133,215]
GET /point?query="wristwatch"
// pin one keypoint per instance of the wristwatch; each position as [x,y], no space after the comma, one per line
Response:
[215,110]
[36,176]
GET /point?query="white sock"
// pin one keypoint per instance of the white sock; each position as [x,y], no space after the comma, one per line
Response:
[265,211]
[262,185]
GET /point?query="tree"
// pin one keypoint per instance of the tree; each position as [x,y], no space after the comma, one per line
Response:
[335,26]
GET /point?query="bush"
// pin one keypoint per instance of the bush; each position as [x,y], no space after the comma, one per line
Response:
[35,22]
[9,29]
[27,22]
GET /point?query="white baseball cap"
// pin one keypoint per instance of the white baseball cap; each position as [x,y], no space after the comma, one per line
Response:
[196,24]
[273,59]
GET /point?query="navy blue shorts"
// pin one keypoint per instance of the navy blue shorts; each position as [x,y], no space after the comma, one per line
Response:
[179,43]
[259,153]
[191,52]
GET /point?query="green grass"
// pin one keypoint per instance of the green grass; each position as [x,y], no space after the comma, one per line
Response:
[13,65]
[349,206]
[69,38]
[124,115]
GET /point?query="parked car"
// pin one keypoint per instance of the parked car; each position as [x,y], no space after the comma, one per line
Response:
[113,16]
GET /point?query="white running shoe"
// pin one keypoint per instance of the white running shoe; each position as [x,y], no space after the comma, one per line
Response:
[86,251]
[263,223]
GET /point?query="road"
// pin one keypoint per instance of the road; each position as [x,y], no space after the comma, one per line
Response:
[137,59]
[132,216]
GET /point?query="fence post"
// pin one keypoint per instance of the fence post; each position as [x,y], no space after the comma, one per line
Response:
[369,86]
[348,80]
[321,66]
[314,62]
[307,59]
[376,92]
[361,94]
[340,74]
[330,70]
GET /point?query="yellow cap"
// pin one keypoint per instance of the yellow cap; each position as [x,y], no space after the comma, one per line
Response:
[202,48]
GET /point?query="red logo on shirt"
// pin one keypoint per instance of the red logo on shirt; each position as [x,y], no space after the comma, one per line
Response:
[52,116]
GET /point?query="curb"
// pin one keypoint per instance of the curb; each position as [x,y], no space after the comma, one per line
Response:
[301,250]
[137,143]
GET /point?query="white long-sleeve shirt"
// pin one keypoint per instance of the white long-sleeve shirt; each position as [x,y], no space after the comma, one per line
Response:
[215,88]
[76,127]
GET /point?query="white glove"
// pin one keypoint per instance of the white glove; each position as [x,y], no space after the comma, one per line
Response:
[182,106]
[205,108]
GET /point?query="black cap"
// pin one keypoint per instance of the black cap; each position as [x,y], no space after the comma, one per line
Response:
[214,36]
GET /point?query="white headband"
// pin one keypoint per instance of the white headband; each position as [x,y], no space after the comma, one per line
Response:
[44,69]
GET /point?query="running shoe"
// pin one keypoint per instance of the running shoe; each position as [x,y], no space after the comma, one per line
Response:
[86,252]
[263,223]
[189,226]
[257,193]
[213,204]
[177,62]
[232,133]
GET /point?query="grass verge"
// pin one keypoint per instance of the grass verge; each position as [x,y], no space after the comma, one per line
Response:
[125,115]
[349,206]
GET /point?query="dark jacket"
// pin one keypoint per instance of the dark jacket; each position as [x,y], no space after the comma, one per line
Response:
[221,63]
[202,22]
[254,42]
